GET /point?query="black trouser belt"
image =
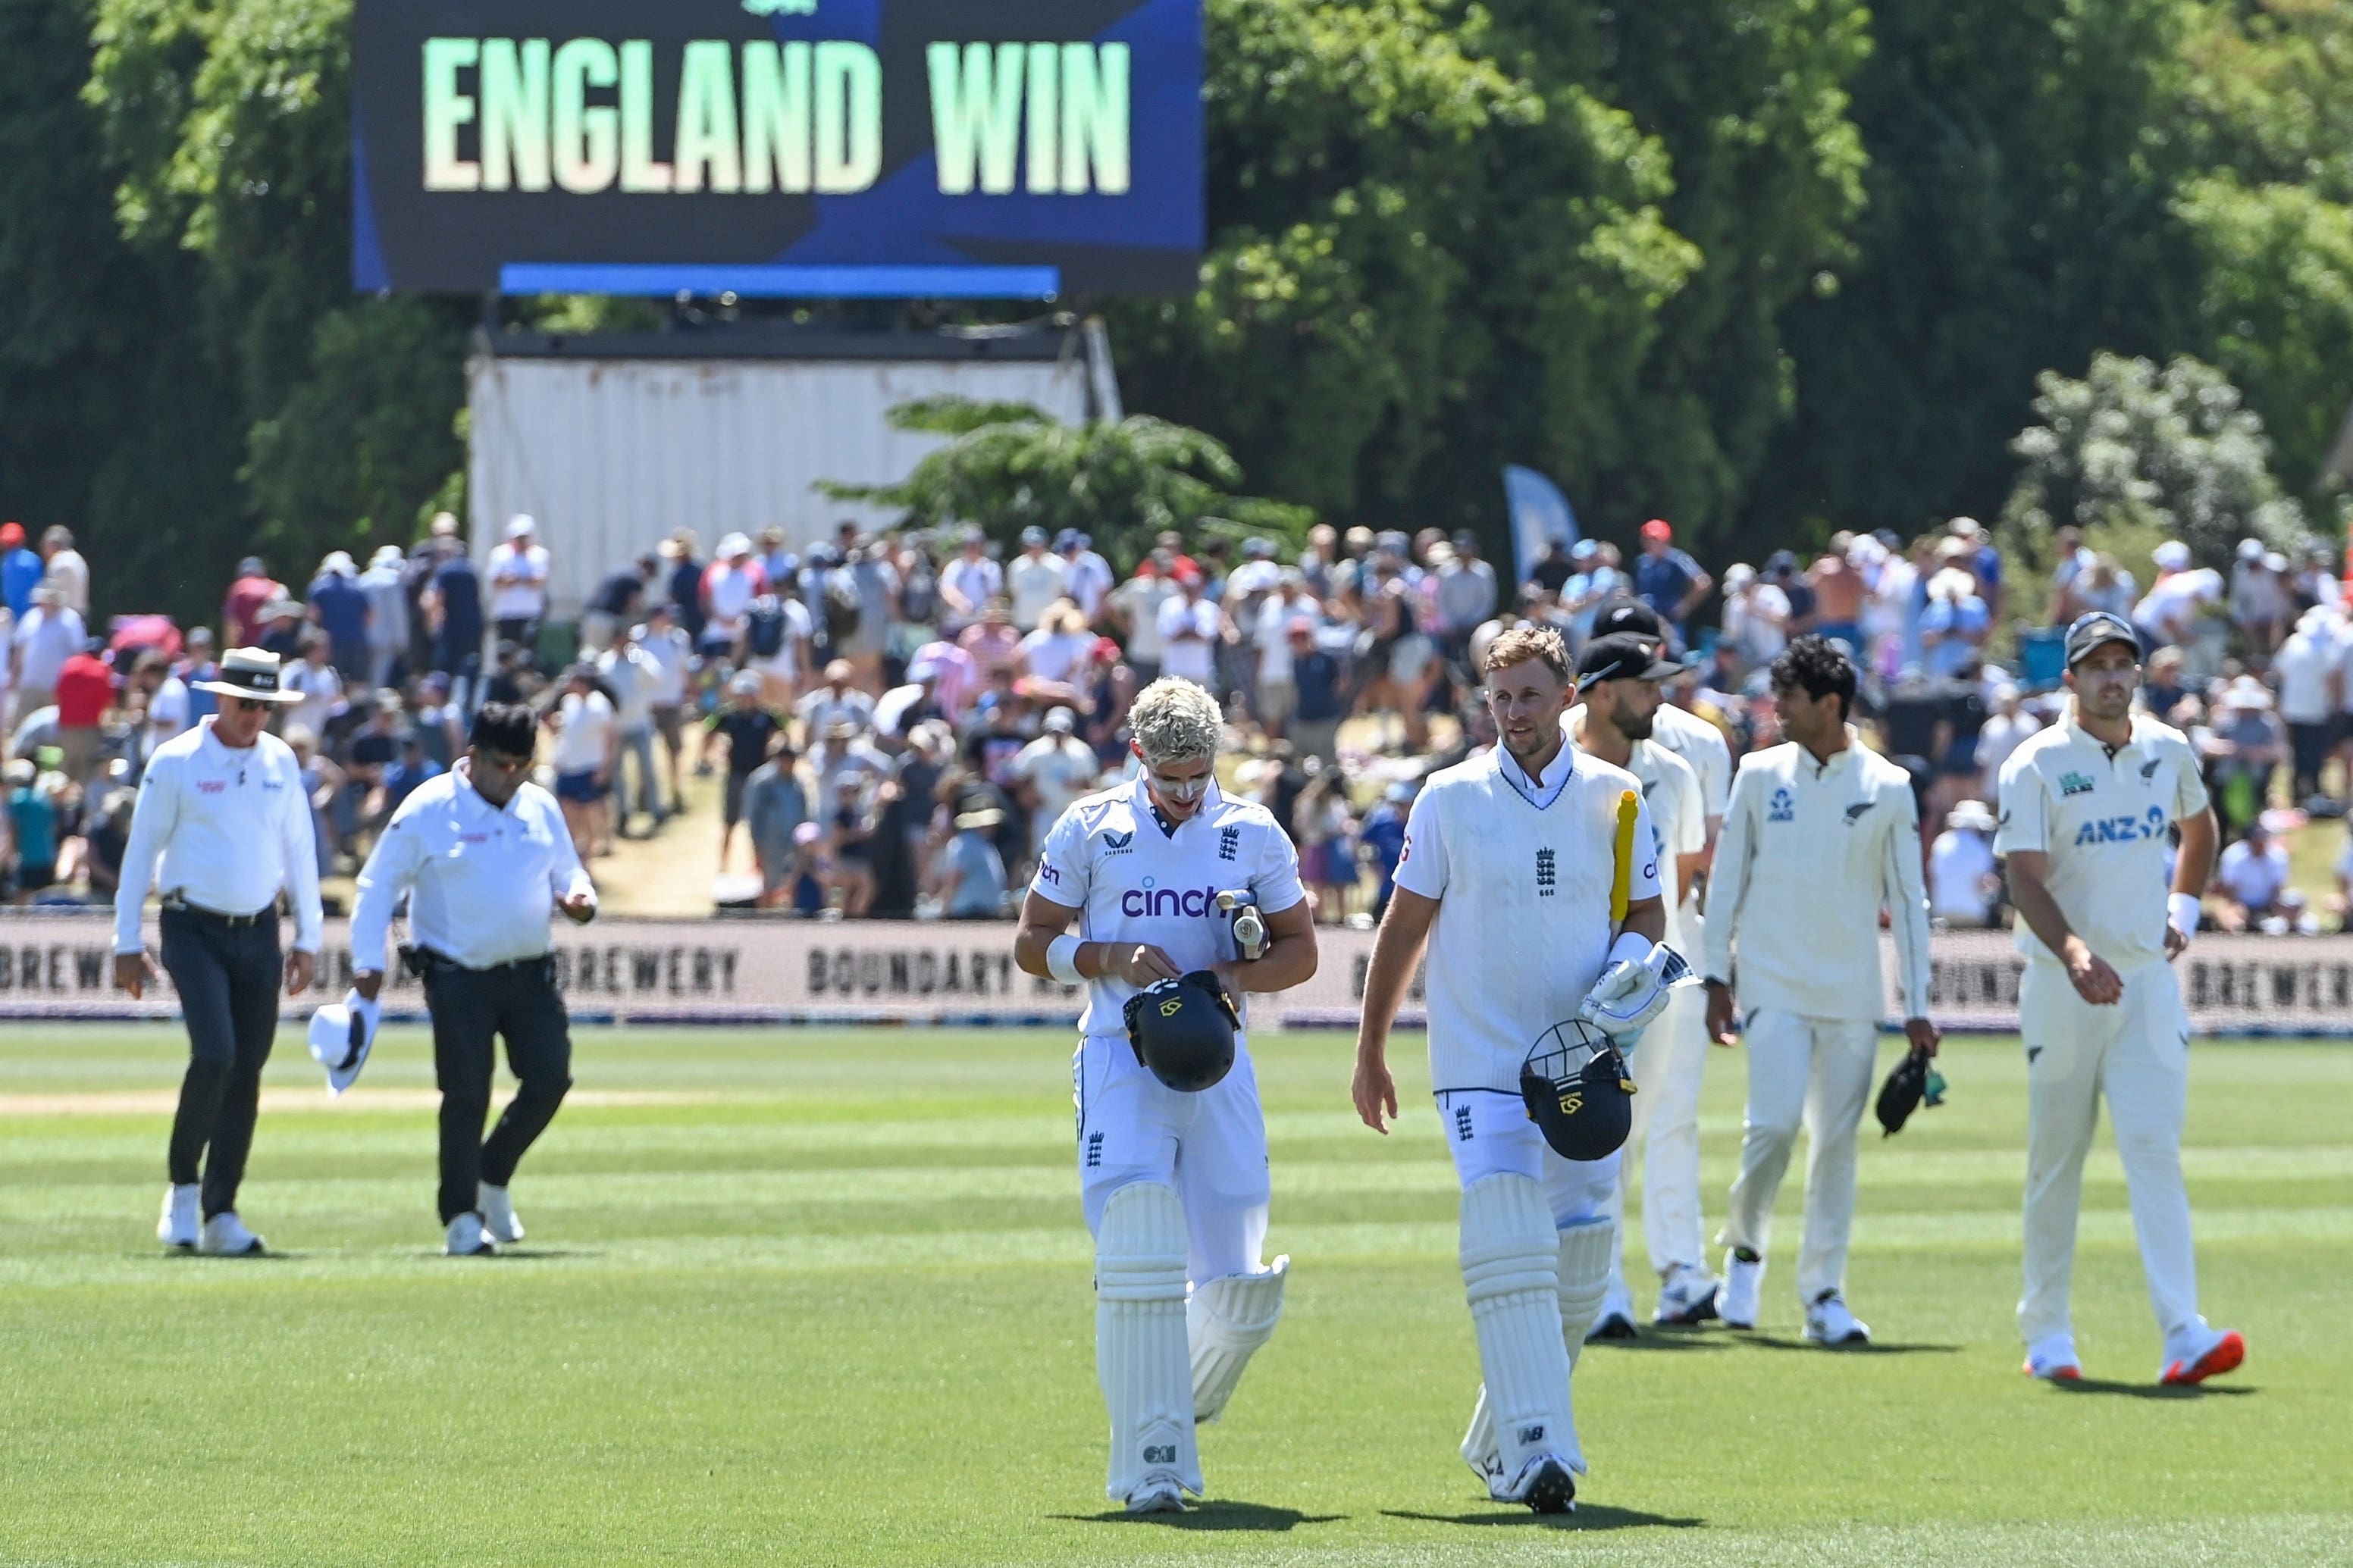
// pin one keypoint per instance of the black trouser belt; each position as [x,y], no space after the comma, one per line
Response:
[180,906]
[424,961]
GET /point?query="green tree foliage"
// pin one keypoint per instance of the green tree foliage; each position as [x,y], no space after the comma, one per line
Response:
[1008,466]
[2132,449]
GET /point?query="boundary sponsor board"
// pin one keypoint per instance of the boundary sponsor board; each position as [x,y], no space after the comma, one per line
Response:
[776,148]
[58,965]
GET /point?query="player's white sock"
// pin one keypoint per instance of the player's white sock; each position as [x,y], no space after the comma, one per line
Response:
[1227,1320]
[1511,1276]
[1140,1351]
[1585,1252]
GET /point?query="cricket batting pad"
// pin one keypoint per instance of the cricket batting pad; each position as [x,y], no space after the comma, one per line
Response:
[1585,1251]
[1511,1276]
[1227,1320]
[1140,1354]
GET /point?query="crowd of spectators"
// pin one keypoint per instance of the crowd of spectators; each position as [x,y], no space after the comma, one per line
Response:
[892,721]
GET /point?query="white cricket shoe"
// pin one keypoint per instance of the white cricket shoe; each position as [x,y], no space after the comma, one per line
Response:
[1743,1287]
[1687,1297]
[183,1219]
[1828,1323]
[1616,1319]
[2199,1353]
[499,1221]
[225,1236]
[1546,1484]
[2052,1358]
[1160,1493]
[468,1240]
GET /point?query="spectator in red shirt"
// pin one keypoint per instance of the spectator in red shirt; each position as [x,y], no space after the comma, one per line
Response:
[85,692]
[241,611]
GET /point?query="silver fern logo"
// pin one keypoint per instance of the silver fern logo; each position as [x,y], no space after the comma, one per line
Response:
[781,7]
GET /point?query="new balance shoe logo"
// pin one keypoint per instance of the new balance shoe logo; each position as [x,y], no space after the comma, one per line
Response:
[1530,1435]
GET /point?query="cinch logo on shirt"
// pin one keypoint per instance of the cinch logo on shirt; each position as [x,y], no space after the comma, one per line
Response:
[1138,904]
[2074,783]
[1046,872]
[2122,829]
[1783,808]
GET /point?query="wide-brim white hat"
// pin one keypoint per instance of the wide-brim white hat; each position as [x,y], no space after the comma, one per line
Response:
[341,1035]
[252,673]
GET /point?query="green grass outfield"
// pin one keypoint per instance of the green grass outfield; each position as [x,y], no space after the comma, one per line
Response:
[822,1297]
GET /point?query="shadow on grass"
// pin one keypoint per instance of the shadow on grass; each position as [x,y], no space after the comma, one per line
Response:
[2152,1390]
[1588,1516]
[1663,1337]
[1876,1347]
[1217,1513]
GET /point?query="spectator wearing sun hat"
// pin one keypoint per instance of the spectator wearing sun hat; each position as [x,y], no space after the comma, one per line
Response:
[519,569]
[1034,580]
[340,607]
[385,588]
[1089,578]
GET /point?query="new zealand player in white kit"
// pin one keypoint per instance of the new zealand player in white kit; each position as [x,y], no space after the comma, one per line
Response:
[2088,808]
[1174,1184]
[1508,875]
[1820,835]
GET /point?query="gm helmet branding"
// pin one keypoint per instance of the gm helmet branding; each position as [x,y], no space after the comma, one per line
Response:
[1138,904]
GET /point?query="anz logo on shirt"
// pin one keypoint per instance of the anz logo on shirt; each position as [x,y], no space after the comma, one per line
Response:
[2150,824]
[1784,806]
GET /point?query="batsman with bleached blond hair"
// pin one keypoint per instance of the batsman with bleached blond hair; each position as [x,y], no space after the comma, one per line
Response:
[1532,874]
[1186,900]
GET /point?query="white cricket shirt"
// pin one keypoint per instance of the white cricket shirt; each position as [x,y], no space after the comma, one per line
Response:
[2101,817]
[1521,869]
[229,827]
[482,879]
[1809,853]
[1678,816]
[1131,879]
[1701,745]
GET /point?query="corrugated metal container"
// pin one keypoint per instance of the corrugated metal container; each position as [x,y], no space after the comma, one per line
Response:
[611,443]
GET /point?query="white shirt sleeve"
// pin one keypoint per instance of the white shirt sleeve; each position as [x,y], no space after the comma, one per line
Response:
[153,817]
[1276,879]
[2025,823]
[1643,881]
[301,851]
[566,874]
[1061,876]
[1422,867]
[1908,903]
[2190,796]
[1727,879]
[391,871]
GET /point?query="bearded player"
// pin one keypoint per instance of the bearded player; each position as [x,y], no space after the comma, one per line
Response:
[1513,863]
[1174,1183]
[2088,807]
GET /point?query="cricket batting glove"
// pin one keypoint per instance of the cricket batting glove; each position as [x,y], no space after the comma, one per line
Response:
[1634,989]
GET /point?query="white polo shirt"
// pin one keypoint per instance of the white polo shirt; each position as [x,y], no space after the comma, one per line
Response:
[1521,869]
[526,598]
[1810,852]
[1110,857]
[223,828]
[1678,816]
[482,882]
[1701,745]
[2101,817]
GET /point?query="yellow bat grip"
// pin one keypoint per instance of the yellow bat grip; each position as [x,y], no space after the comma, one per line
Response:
[1621,883]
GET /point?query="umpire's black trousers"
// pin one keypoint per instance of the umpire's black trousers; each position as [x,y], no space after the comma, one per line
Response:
[520,1002]
[227,970]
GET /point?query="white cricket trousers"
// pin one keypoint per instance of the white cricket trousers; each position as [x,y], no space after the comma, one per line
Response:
[1668,1066]
[2137,1053]
[1211,1147]
[1814,1073]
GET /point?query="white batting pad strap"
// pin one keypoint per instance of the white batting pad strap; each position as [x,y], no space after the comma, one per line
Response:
[1140,1353]
[1587,1249]
[1227,1320]
[1510,1275]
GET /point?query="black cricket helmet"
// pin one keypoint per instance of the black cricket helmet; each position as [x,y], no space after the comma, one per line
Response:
[1578,1092]
[1901,1095]
[1184,1030]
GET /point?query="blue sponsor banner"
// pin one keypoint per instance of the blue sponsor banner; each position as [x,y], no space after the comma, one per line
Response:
[1540,516]
[810,148]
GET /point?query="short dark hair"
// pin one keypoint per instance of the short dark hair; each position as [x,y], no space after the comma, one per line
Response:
[507,728]
[1817,667]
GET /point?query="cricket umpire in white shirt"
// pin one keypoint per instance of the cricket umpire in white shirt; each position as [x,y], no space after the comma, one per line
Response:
[484,859]
[2089,808]
[1513,863]
[1172,1169]
[1820,833]
[223,826]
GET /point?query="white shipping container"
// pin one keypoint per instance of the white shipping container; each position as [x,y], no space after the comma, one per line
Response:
[611,451]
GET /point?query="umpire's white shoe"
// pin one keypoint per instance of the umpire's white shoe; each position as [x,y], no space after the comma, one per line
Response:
[1616,1319]
[468,1240]
[182,1220]
[1743,1287]
[2053,1359]
[1687,1297]
[1828,1323]
[225,1236]
[499,1221]
[1160,1493]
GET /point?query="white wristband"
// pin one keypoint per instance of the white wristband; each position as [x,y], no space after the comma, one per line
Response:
[1062,960]
[1631,947]
[2181,913]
